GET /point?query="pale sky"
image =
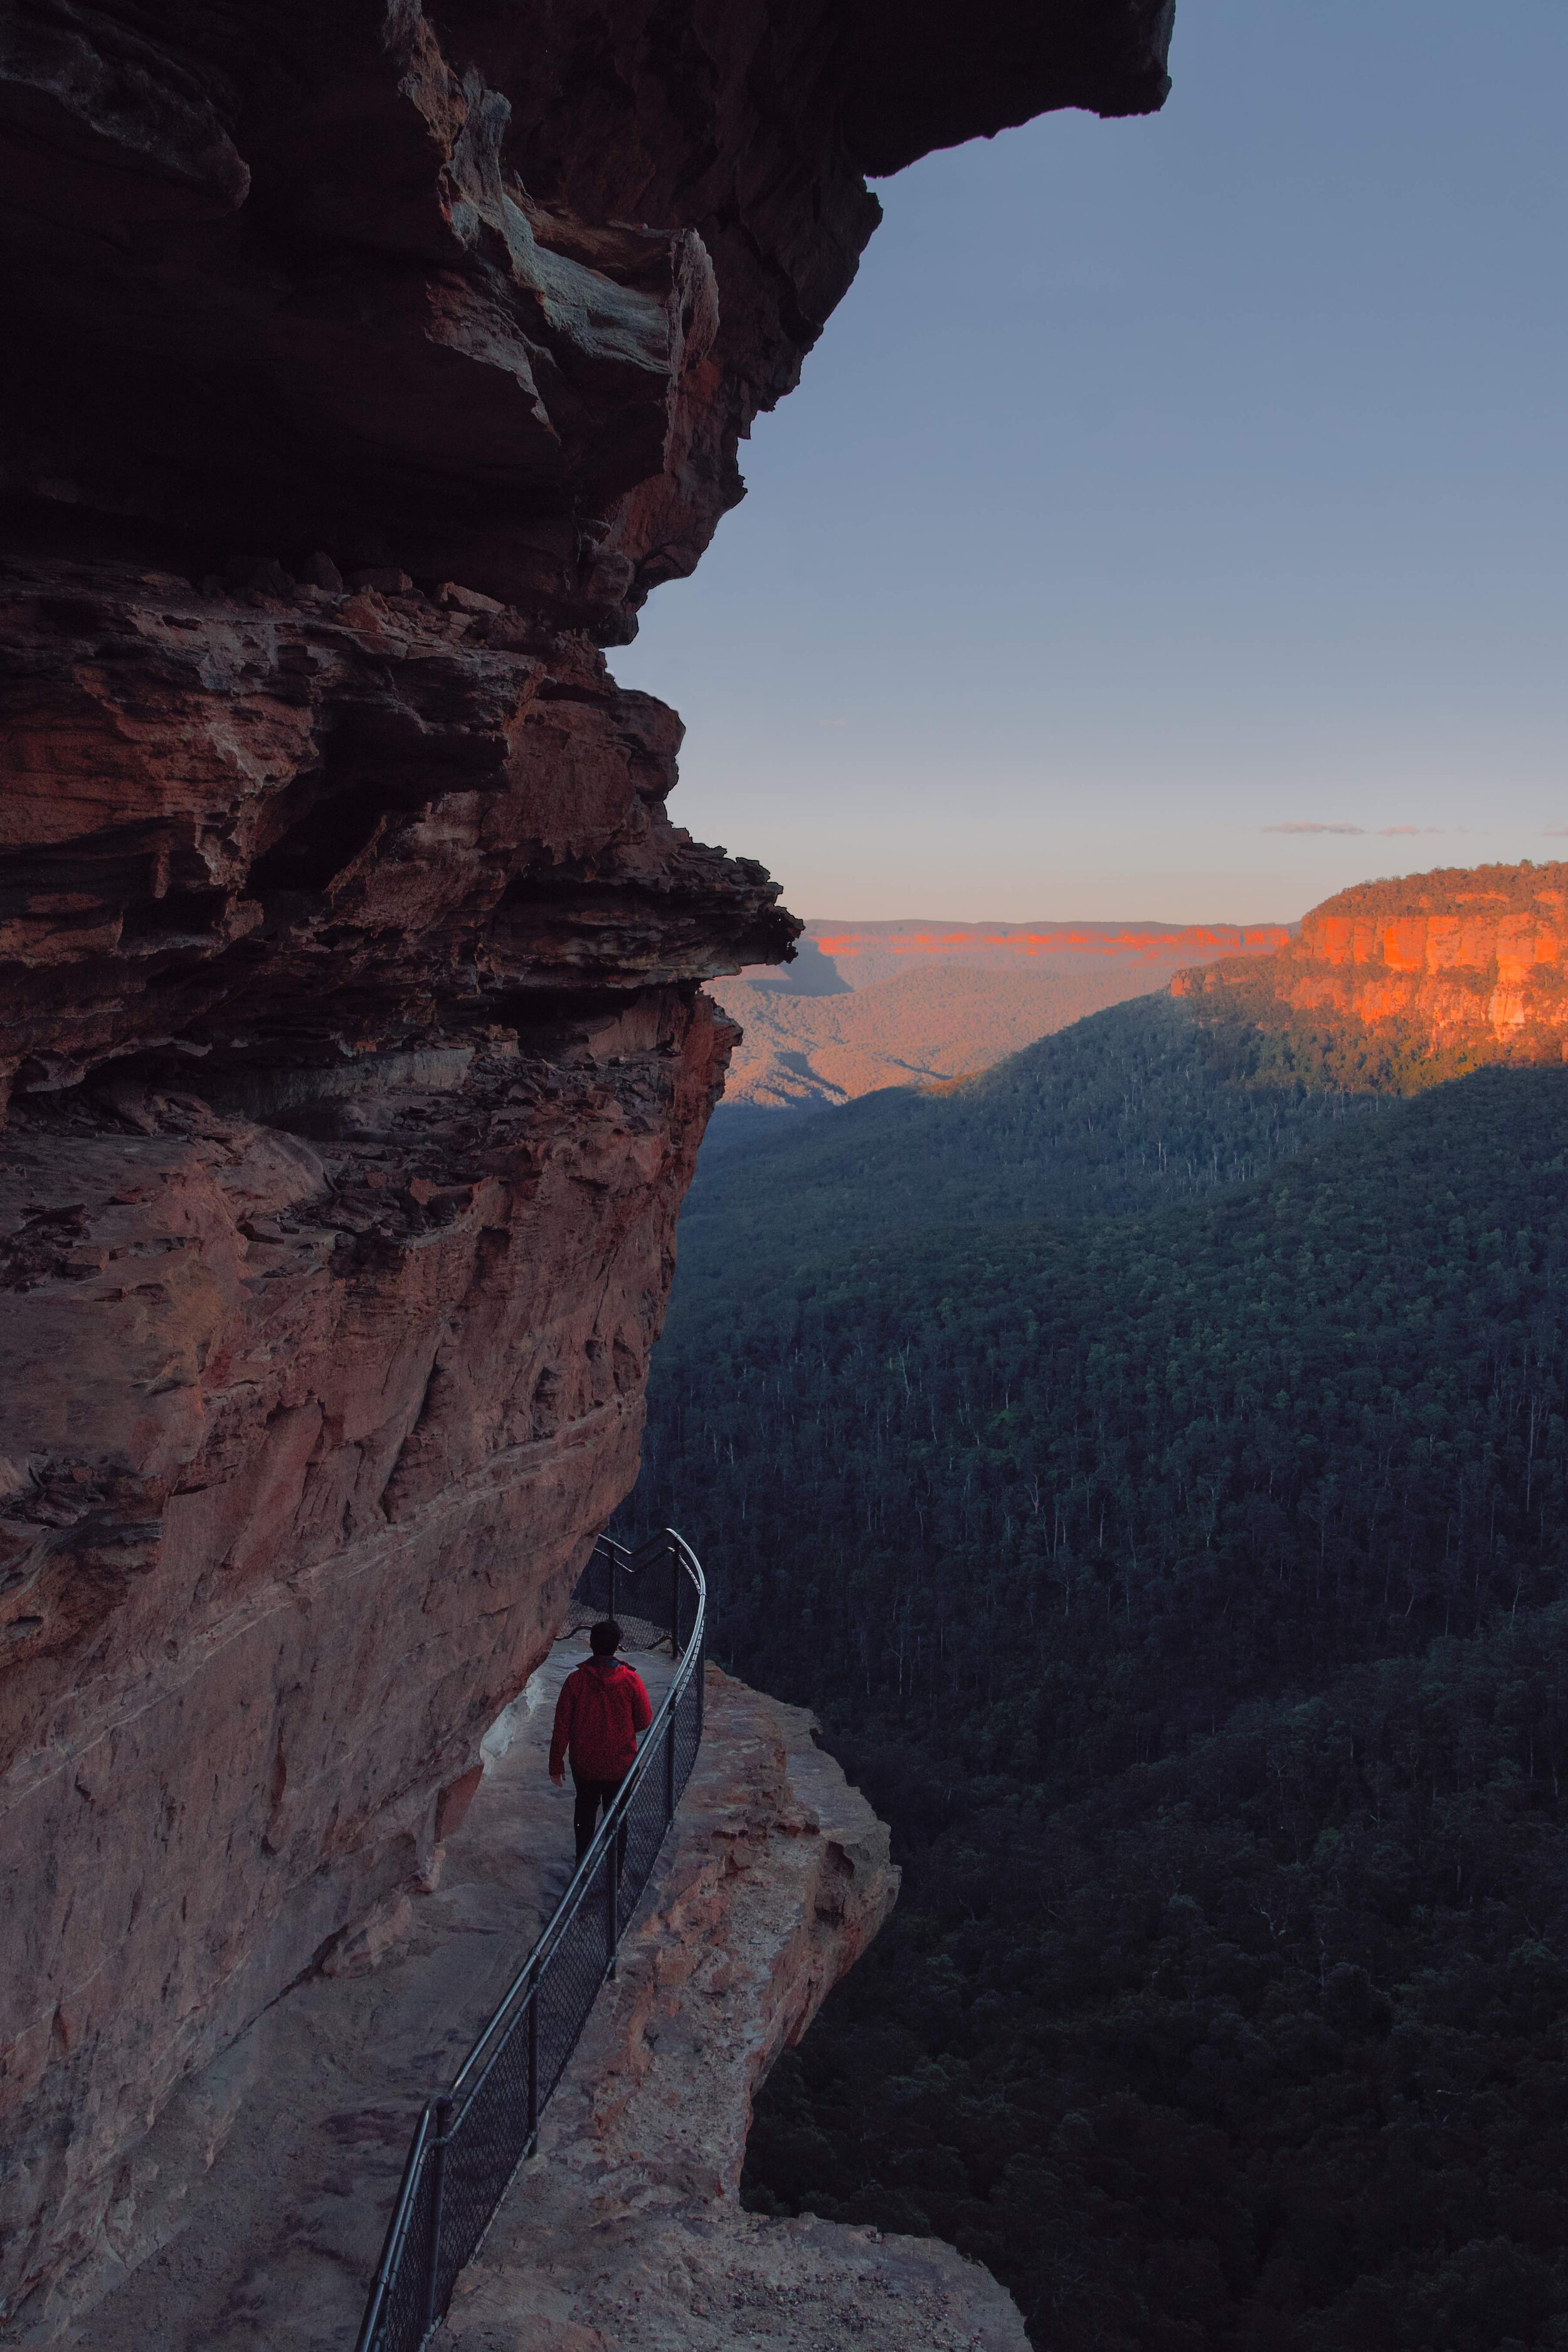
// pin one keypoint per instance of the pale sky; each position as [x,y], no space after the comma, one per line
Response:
[1163,490]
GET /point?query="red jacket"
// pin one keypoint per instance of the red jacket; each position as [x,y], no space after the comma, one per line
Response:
[602,1707]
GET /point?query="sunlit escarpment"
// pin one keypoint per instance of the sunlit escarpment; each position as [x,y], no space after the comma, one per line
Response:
[1433,973]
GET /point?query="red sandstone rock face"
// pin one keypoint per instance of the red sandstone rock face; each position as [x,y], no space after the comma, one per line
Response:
[357,1071]
[304,1443]
[348,958]
[1464,966]
[276,832]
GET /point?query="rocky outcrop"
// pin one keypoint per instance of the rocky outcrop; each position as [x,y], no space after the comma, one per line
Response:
[482,291]
[306,1440]
[336,1223]
[1416,979]
[626,2232]
[377,362]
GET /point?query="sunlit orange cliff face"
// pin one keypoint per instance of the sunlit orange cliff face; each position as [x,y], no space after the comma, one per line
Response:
[1470,962]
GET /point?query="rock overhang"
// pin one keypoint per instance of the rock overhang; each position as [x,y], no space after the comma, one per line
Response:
[489,291]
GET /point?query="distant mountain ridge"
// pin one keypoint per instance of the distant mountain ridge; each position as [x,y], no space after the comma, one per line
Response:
[922,1002]
[865,953]
[1391,988]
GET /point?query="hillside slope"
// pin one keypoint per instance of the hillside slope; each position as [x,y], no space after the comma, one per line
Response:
[1185,1589]
[1150,1461]
[1137,1105]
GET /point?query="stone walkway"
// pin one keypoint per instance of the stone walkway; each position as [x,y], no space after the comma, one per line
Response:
[272,2248]
[625,2234]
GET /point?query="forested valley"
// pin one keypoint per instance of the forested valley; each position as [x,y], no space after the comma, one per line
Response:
[1150,1464]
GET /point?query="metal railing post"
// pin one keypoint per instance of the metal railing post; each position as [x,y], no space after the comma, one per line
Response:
[612,1904]
[534,2065]
[674,1602]
[437,2199]
[670,1771]
[612,1607]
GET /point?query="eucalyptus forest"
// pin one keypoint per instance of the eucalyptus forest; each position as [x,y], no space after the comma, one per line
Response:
[1149,1462]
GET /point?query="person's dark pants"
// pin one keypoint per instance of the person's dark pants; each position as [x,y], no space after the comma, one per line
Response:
[594,1798]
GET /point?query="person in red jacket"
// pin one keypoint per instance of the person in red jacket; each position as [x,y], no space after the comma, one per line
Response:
[604,1703]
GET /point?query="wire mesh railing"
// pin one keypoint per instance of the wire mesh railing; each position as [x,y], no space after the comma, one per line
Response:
[470,2140]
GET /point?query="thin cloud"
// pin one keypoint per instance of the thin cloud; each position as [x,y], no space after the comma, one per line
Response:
[1555,832]
[1382,832]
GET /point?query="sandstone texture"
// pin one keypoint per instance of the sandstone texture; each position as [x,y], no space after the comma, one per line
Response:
[625,2234]
[485,291]
[1438,972]
[251,2219]
[367,367]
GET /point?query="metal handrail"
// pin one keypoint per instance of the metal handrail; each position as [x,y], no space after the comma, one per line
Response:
[487,2123]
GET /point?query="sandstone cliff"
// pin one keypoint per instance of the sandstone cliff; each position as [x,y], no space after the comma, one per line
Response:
[1400,983]
[368,367]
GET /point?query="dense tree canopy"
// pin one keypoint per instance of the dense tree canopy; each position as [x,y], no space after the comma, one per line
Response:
[1184,1588]
[1150,1102]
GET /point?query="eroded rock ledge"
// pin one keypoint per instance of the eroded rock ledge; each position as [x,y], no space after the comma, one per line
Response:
[625,2234]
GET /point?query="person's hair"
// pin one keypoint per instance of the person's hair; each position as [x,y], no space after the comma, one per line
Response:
[606,1638]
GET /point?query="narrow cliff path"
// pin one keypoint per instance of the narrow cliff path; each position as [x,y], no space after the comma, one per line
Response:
[272,2248]
[626,2232]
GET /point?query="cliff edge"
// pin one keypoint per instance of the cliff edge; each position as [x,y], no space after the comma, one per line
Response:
[626,2232]
[255,2213]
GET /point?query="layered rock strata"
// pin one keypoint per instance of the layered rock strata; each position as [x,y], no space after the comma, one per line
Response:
[1438,972]
[365,368]
[336,1223]
[485,291]
[626,2232]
